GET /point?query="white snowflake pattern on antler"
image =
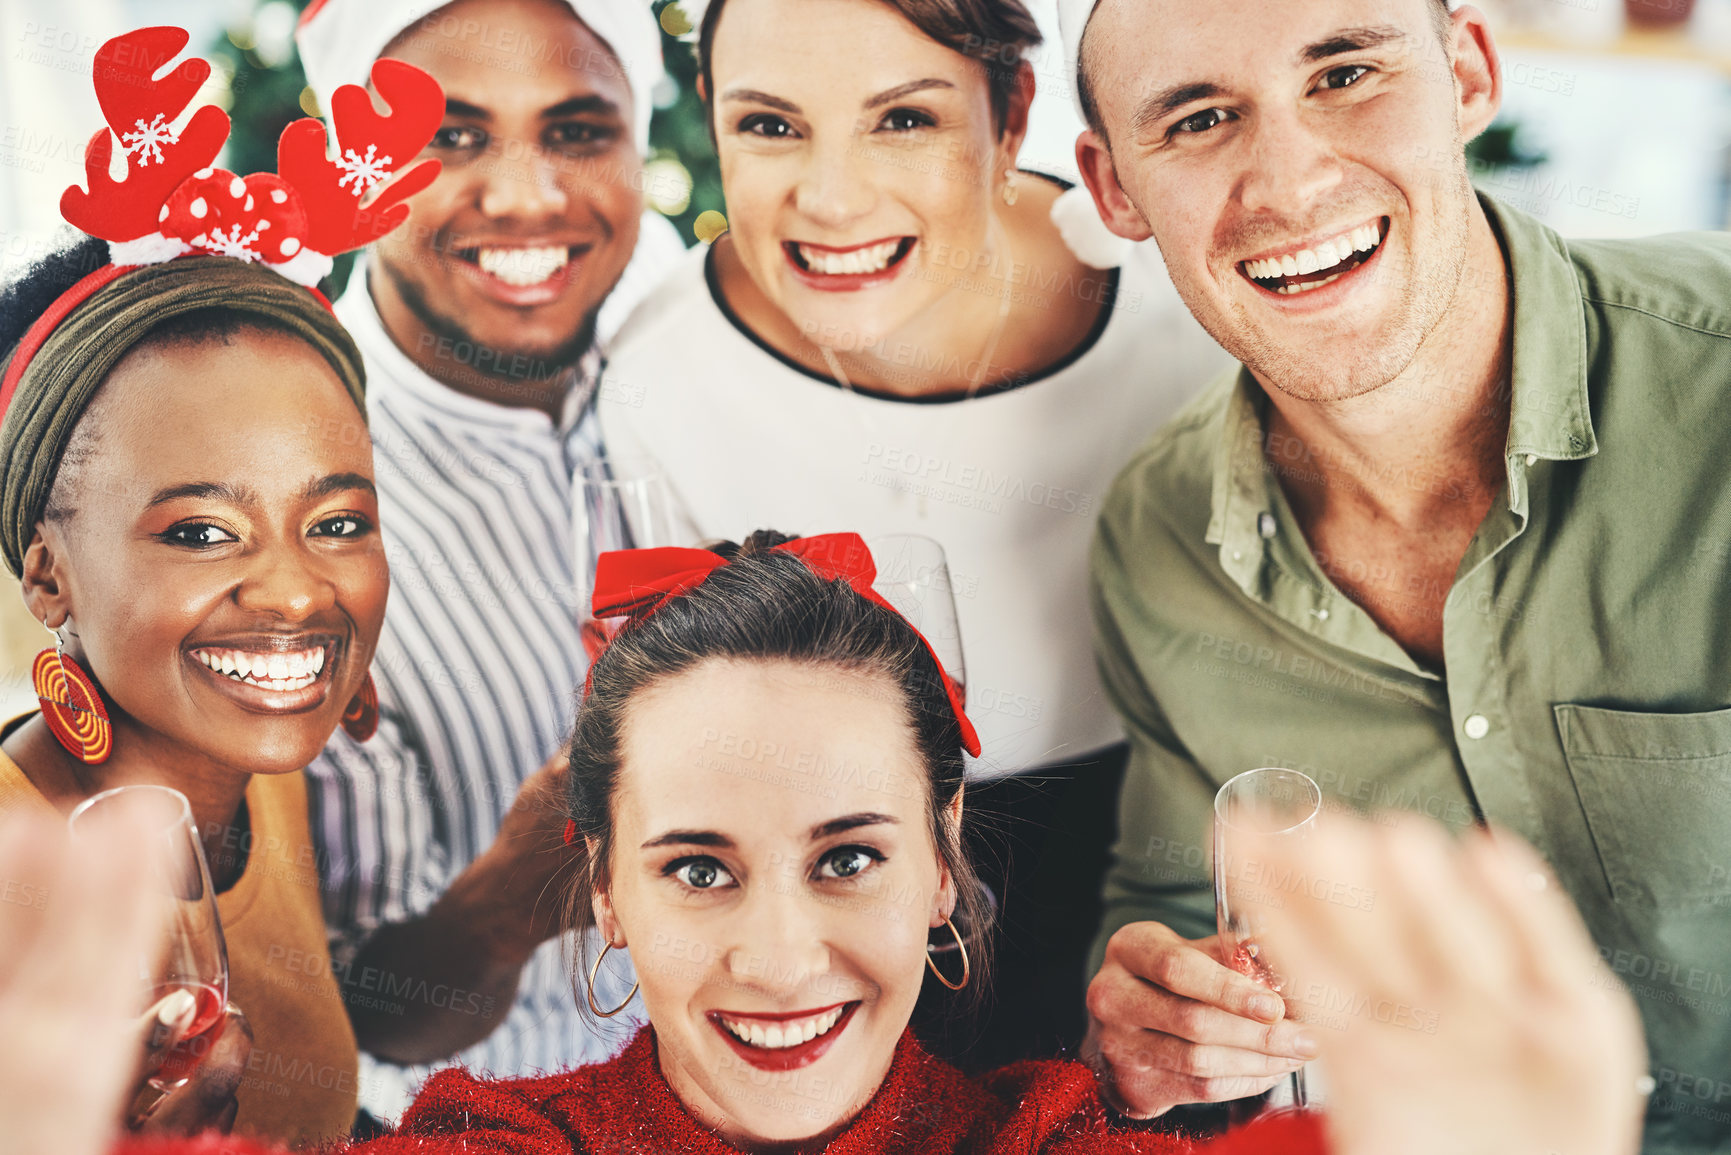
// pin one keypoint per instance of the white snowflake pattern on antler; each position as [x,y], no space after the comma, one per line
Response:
[366,171]
[229,243]
[148,139]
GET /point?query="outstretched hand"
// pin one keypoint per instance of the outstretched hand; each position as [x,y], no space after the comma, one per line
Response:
[76,1056]
[1465,1009]
[71,933]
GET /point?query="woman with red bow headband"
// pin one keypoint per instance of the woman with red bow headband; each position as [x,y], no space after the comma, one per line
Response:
[187,498]
[767,775]
[919,335]
[767,778]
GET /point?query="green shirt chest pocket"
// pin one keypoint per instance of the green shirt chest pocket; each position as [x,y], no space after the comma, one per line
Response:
[1656,789]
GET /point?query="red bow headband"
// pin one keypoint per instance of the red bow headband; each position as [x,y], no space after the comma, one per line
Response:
[172,203]
[637,582]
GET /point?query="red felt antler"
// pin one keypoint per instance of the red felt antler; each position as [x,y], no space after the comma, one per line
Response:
[173,201]
[140,111]
[371,149]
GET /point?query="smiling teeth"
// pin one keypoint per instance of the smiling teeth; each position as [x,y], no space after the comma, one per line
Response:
[276,671]
[520,266]
[780,1036]
[1320,259]
[873,259]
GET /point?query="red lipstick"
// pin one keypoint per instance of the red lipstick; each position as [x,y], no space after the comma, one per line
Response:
[782,1058]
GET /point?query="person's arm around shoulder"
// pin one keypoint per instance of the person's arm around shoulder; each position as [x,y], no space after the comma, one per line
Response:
[1168,1024]
[458,965]
[429,957]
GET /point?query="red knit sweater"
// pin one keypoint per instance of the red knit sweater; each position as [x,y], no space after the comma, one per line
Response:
[925,1107]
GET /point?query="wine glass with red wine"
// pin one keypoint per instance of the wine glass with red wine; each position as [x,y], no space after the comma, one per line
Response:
[192,957]
[1257,805]
[621,503]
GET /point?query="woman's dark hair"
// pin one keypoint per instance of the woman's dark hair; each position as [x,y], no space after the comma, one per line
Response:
[997,33]
[26,298]
[768,605]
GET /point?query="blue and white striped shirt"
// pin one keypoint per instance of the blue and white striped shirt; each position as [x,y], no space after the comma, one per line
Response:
[477,671]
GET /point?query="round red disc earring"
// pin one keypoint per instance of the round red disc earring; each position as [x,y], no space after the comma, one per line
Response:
[361,719]
[71,705]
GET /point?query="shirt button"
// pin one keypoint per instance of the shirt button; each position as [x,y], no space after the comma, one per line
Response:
[1532,459]
[1476,726]
[1321,615]
[1265,524]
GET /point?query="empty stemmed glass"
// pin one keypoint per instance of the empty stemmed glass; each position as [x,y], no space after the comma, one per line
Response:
[621,503]
[1250,809]
[914,577]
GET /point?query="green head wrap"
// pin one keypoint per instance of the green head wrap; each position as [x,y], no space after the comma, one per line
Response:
[71,365]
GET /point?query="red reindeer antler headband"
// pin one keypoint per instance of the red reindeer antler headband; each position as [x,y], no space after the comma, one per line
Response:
[172,203]
[294,220]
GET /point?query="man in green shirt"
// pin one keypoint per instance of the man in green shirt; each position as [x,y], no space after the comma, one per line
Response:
[1454,539]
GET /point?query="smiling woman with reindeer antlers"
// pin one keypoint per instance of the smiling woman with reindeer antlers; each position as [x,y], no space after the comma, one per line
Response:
[188,500]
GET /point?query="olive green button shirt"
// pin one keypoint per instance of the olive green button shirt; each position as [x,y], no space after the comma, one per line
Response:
[1587,641]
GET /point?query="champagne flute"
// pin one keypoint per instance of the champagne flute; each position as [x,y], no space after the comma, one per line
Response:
[621,503]
[914,577]
[193,956]
[1270,802]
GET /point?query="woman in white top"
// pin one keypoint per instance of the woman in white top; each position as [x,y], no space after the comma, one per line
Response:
[894,337]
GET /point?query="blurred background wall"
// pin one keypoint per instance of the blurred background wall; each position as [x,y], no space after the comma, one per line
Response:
[1616,122]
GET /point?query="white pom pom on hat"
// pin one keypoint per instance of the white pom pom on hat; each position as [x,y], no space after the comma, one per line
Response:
[1072,22]
[340,39]
[1085,233]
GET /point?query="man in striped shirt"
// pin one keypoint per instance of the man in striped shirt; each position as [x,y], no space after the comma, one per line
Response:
[440,837]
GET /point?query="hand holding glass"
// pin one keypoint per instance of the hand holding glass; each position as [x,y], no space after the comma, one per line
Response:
[1258,805]
[193,957]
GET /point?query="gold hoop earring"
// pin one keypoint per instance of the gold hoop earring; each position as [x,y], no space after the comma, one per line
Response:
[1012,186]
[961,946]
[596,966]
